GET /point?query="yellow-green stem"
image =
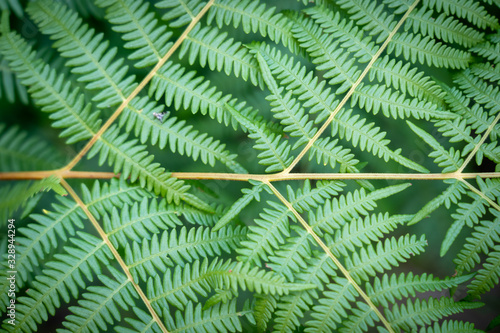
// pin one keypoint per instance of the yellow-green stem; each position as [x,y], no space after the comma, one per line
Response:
[117,256]
[327,250]
[64,174]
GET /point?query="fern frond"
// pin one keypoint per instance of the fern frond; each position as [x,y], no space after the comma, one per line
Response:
[413,47]
[428,51]
[452,194]
[290,257]
[50,90]
[20,152]
[181,284]
[146,258]
[214,49]
[186,90]
[271,230]
[38,239]
[307,197]
[293,257]
[373,18]
[309,89]
[180,138]
[253,17]
[87,52]
[61,280]
[275,152]
[331,309]
[375,98]
[248,196]
[101,306]
[220,317]
[221,295]
[339,67]
[407,79]
[486,71]
[256,279]
[291,115]
[49,183]
[484,238]
[489,187]
[138,114]
[297,80]
[384,256]
[41,237]
[390,289]
[10,87]
[96,66]
[291,308]
[339,211]
[458,130]
[362,315]
[272,227]
[330,152]
[139,221]
[296,122]
[25,195]
[263,310]
[443,27]
[150,34]
[480,91]
[360,232]
[319,271]
[180,12]
[467,9]
[144,323]
[475,115]
[487,277]
[82,125]
[362,318]
[469,213]
[449,160]
[411,315]
[140,29]
[369,138]
[450,326]
[15,199]
[199,217]
[351,36]
[176,286]
[134,163]
[103,196]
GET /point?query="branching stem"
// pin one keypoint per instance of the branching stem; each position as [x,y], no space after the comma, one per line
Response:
[332,176]
[351,91]
[481,194]
[476,148]
[60,173]
[117,256]
[67,169]
[327,250]
[141,85]
[32,175]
